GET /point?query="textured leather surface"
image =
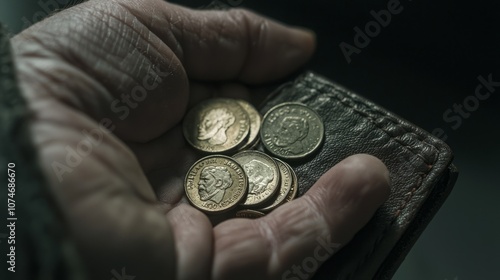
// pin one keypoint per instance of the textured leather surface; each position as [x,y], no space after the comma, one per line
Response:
[420,169]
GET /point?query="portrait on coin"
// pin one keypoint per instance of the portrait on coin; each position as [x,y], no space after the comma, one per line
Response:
[214,181]
[290,133]
[214,125]
[259,176]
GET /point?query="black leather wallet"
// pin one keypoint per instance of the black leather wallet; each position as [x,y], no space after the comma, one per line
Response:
[420,165]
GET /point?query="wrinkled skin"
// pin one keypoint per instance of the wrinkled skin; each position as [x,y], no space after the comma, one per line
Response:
[123,202]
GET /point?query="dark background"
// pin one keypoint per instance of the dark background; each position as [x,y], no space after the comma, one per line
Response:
[427,59]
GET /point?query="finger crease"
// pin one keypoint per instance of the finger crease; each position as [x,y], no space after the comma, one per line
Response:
[268,230]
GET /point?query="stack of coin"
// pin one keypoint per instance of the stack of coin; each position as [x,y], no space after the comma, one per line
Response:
[222,126]
[251,181]
[264,177]
[288,187]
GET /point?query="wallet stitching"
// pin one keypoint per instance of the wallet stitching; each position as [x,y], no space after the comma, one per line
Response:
[368,115]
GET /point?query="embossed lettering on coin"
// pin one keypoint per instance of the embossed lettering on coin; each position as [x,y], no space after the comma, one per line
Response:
[263,176]
[216,184]
[216,125]
[291,131]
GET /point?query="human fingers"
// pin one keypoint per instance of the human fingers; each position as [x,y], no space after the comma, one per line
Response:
[227,45]
[329,214]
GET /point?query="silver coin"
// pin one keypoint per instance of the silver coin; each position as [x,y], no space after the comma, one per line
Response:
[292,131]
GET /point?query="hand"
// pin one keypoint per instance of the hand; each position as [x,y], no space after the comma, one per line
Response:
[134,67]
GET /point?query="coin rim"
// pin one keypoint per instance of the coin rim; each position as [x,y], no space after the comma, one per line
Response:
[273,205]
[250,142]
[252,211]
[294,192]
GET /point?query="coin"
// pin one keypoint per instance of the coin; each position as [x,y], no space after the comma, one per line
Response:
[255,121]
[249,214]
[291,131]
[285,186]
[217,125]
[215,184]
[294,189]
[263,176]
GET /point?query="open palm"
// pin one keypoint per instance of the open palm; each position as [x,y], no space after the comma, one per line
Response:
[109,82]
